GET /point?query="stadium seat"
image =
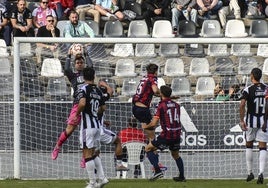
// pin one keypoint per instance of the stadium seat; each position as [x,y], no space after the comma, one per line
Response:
[32,89]
[95,27]
[246,64]
[6,85]
[181,86]
[211,28]
[25,50]
[219,50]
[224,66]
[51,67]
[187,29]
[57,89]
[134,152]
[235,28]
[102,68]
[205,86]
[61,26]
[129,86]
[97,51]
[229,81]
[125,68]
[28,67]
[258,28]
[145,50]
[199,67]
[162,29]
[113,29]
[265,67]
[169,50]
[174,67]
[123,50]
[5,66]
[138,28]
[194,50]
[262,50]
[3,48]
[241,50]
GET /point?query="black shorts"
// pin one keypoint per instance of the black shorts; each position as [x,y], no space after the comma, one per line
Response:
[163,143]
[142,114]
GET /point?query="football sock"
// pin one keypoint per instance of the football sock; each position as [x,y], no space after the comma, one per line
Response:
[262,159]
[153,158]
[63,137]
[90,167]
[119,160]
[99,168]
[180,166]
[249,159]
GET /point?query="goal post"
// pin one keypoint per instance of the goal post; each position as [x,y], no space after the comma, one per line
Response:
[207,153]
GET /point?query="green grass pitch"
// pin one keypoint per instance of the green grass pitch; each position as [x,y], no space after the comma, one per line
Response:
[132,183]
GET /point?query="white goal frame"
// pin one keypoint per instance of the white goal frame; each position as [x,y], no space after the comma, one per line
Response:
[18,40]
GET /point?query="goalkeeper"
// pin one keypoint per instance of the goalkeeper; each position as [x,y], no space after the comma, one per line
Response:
[77,81]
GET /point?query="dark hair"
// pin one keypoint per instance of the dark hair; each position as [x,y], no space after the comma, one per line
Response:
[166,90]
[50,15]
[79,57]
[132,122]
[152,68]
[89,73]
[256,73]
[72,12]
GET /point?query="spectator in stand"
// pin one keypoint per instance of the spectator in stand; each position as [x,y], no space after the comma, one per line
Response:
[182,8]
[207,8]
[86,8]
[130,134]
[5,27]
[231,95]
[62,7]
[21,20]
[110,9]
[264,7]
[76,28]
[48,30]
[158,9]
[228,7]
[40,15]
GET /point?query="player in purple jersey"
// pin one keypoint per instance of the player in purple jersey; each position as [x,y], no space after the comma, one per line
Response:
[168,113]
[254,123]
[143,97]
[77,81]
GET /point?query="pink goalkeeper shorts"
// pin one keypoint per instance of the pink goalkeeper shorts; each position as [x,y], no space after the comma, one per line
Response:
[73,119]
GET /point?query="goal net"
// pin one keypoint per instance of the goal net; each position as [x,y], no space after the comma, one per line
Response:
[36,98]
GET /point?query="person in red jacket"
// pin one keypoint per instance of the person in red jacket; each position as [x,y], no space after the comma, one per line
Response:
[130,134]
[62,7]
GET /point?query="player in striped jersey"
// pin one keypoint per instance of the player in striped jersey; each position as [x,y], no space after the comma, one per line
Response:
[252,122]
[168,113]
[91,103]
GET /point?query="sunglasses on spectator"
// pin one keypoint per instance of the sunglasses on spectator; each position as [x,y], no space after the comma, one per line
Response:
[50,21]
[45,2]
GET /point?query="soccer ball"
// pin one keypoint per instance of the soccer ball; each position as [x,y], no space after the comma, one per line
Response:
[76,49]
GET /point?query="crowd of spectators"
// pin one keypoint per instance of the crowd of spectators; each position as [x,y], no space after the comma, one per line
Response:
[18,19]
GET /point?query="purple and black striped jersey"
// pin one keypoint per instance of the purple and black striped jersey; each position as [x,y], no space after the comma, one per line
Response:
[168,113]
[144,92]
[255,97]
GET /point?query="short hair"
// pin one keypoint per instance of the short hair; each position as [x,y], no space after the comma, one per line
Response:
[73,12]
[79,57]
[256,73]
[165,90]
[152,68]
[50,15]
[132,122]
[89,73]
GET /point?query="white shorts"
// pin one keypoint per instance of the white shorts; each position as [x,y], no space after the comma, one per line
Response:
[89,138]
[256,134]
[107,136]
